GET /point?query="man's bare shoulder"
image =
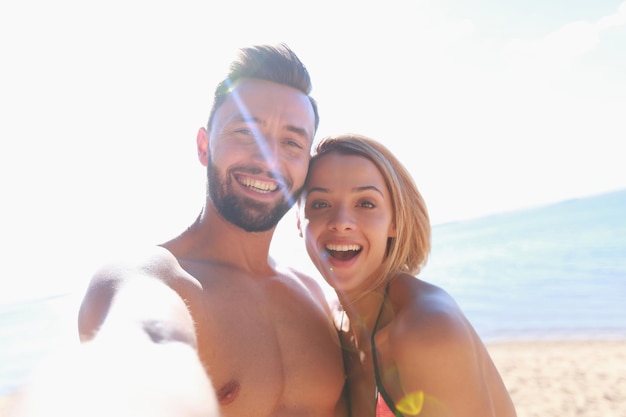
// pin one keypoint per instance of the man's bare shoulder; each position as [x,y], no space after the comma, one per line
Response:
[140,268]
[149,259]
[309,282]
[153,263]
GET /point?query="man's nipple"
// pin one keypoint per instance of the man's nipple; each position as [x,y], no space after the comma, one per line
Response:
[228,392]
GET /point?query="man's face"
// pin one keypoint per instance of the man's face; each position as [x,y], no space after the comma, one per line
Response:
[258,153]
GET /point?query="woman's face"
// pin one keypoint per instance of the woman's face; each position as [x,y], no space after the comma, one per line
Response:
[346,220]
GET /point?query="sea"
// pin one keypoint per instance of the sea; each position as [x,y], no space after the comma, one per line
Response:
[550,272]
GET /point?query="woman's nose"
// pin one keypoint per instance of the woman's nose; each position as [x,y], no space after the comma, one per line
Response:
[341,219]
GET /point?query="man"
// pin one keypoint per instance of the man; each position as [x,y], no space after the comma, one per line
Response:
[263,333]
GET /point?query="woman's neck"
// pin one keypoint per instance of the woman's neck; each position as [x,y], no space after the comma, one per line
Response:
[363,313]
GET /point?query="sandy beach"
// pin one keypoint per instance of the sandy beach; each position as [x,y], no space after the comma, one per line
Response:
[564,378]
[556,378]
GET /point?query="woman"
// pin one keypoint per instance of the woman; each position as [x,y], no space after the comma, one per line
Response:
[409,350]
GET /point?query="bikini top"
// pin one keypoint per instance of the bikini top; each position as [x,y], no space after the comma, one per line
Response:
[383,410]
[385,406]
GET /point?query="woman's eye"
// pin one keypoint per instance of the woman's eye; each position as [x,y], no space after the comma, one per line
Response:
[367,204]
[318,205]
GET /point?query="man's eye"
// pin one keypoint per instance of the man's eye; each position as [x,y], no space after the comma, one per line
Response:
[294,143]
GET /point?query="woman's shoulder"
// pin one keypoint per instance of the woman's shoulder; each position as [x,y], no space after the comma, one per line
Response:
[426,315]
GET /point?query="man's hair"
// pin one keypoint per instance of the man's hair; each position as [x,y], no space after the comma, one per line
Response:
[275,63]
[408,251]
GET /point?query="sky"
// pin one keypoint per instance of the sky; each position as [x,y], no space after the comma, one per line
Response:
[493,106]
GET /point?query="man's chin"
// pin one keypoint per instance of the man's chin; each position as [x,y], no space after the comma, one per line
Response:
[254,222]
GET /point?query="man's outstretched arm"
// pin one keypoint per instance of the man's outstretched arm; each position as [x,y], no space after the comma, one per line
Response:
[141,361]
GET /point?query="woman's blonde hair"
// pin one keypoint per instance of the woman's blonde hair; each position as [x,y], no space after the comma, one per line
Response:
[408,251]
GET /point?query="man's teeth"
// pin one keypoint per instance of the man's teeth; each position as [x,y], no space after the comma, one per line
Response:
[262,186]
[343,248]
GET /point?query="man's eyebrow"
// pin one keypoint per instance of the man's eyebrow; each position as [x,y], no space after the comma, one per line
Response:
[243,118]
[300,131]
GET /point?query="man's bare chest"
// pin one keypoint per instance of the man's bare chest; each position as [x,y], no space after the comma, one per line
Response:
[268,342]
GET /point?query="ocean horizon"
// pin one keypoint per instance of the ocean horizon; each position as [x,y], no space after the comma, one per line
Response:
[551,272]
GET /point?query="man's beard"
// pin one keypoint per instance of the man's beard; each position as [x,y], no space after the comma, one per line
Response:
[245,213]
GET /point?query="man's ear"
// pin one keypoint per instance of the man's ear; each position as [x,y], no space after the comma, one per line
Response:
[202,144]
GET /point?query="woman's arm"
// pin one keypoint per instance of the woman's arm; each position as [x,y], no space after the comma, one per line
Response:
[444,368]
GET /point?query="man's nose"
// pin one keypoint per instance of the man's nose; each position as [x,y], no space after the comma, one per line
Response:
[266,149]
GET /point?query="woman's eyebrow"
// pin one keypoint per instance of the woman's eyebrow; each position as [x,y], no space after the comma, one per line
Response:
[367,188]
[354,190]
[318,189]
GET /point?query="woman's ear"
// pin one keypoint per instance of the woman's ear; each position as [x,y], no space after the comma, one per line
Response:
[299,226]
[202,145]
